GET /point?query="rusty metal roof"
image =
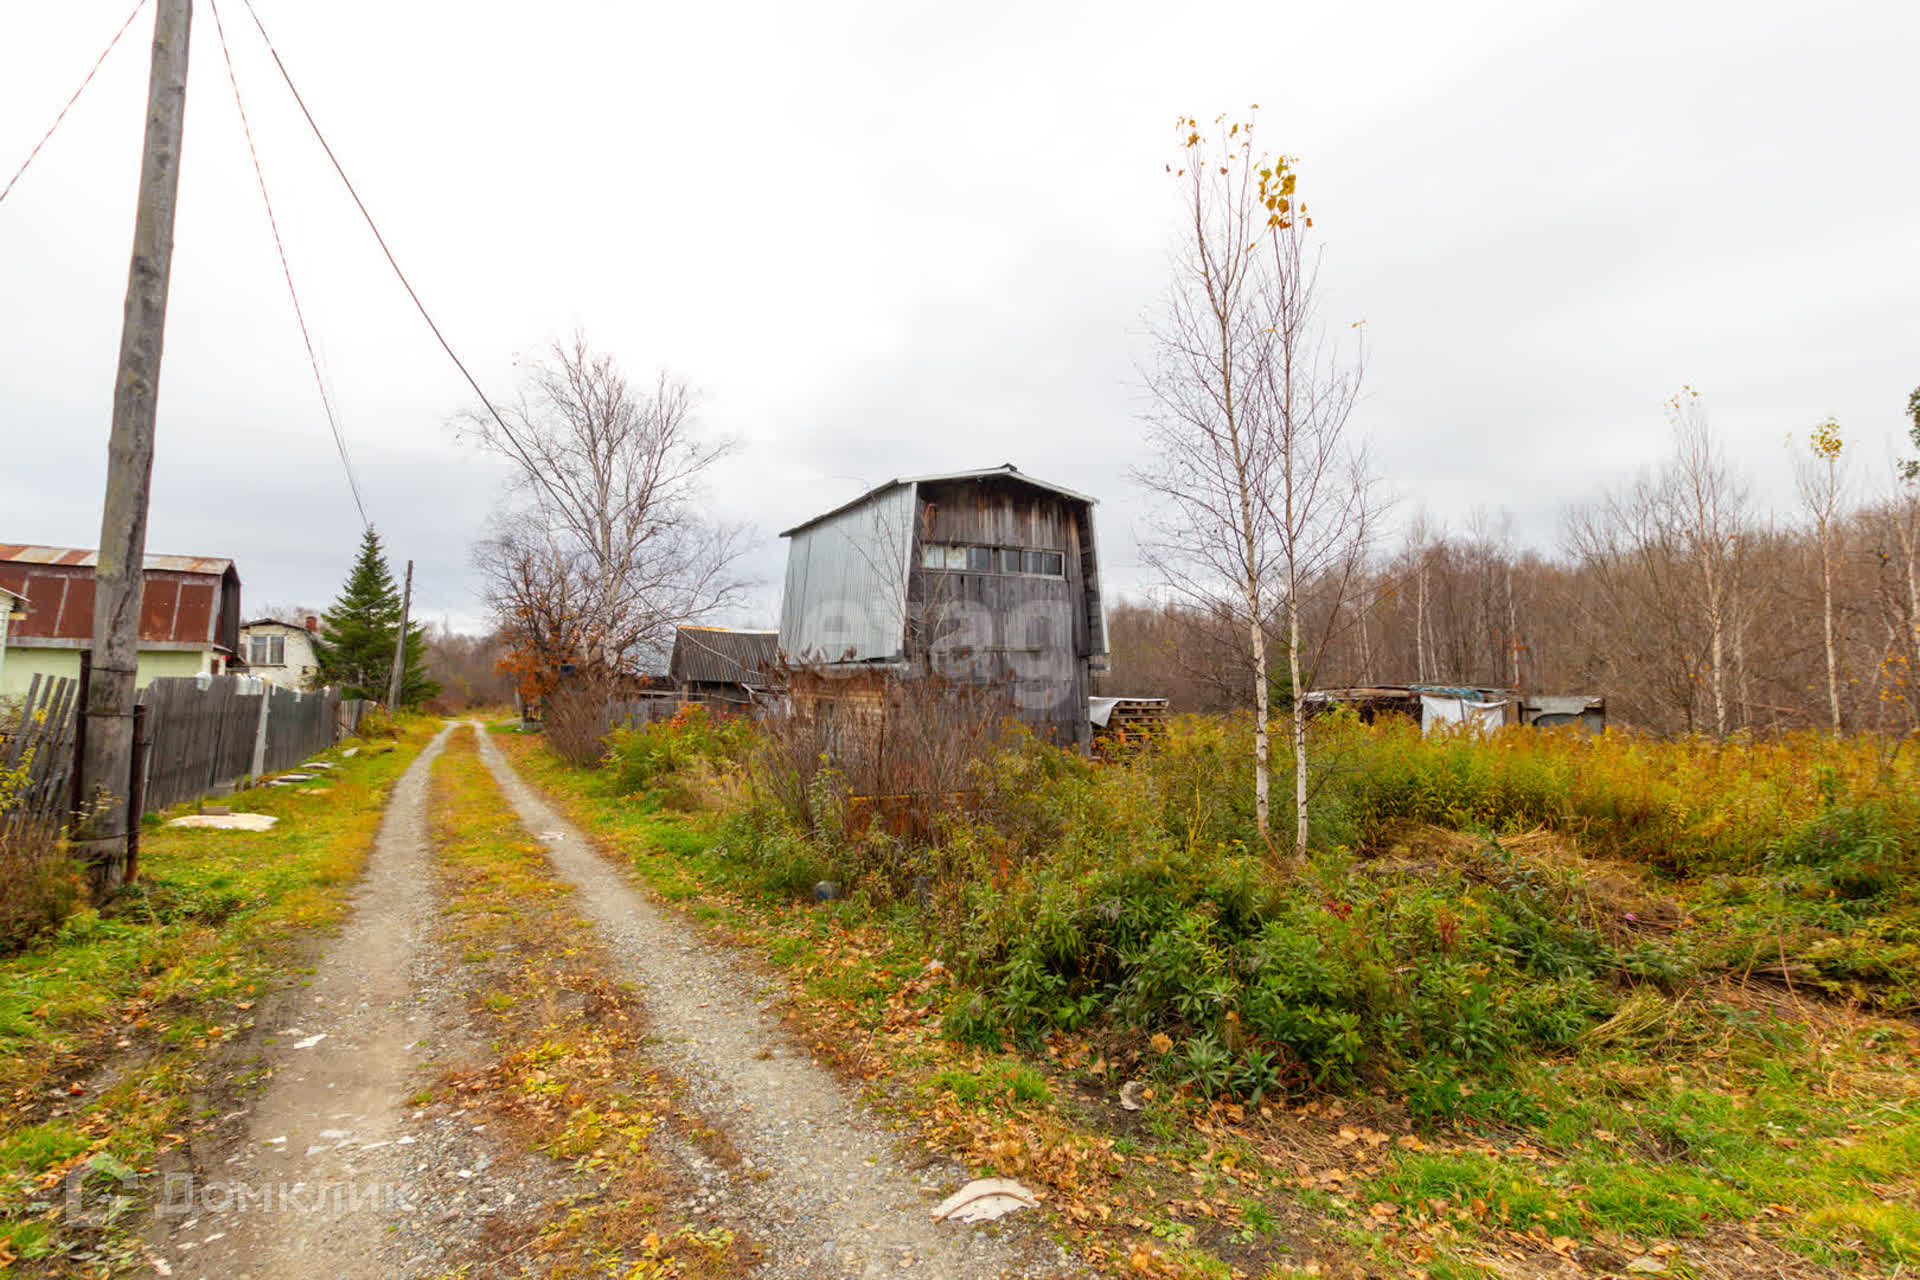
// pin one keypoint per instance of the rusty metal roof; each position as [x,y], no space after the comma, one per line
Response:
[75,557]
[720,655]
[184,600]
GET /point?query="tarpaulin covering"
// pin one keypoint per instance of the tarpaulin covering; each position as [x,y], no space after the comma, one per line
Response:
[1442,711]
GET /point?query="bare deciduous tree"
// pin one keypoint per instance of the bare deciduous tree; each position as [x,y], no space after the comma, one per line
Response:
[1258,493]
[1711,507]
[609,532]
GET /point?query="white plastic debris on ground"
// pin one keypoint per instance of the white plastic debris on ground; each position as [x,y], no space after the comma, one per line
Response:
[985,1199]
[226,821]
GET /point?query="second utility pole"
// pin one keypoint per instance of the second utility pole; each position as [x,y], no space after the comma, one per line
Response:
[106,764]
[398,680]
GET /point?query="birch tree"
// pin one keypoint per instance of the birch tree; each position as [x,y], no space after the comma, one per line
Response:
[1711,503]
[1821,483]
[1256,491]
[1319,506]
[1420,537]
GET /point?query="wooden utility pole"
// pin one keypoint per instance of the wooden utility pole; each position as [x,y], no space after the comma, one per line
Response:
[100,838]
[399,676]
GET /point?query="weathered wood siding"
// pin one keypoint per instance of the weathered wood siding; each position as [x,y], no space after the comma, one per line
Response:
[1034,632]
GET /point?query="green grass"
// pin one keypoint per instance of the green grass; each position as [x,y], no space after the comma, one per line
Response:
[1007,1084]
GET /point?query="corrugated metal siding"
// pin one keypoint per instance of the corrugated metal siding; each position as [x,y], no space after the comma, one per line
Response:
[1095,601]
[1032,633]
[846,588]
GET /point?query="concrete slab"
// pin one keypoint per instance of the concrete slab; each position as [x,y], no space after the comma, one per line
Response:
[227,821]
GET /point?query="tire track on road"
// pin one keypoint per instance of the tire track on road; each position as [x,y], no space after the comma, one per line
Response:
[822,1181]
[319,1174]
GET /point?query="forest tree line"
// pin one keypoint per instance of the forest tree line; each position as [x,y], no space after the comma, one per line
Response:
[1673,596]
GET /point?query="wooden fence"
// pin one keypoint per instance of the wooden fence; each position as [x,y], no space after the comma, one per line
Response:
[647,708]
[202,733]
[202,736]
[37,756]
[208,732]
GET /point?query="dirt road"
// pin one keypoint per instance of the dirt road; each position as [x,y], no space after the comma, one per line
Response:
[315,1165]
[824,1180]
[328,1169]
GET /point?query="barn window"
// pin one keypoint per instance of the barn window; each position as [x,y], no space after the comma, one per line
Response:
[1047,564]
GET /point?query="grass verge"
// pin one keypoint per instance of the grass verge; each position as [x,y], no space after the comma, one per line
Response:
[570,1075]
[107,1025]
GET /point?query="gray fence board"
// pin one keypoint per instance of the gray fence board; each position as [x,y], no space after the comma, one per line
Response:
[41,748]
[202,731]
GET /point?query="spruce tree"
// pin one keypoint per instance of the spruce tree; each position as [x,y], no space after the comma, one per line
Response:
[355,646]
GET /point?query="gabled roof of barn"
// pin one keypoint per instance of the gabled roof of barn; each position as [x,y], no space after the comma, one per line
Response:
[721,655]
[1005,470]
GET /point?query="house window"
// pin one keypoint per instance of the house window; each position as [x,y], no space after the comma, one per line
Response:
[267,651]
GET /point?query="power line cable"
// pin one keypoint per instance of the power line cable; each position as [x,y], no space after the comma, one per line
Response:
[371,225]
[326,402]
[138,6]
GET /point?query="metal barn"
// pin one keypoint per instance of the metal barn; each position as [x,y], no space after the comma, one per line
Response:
[982,577]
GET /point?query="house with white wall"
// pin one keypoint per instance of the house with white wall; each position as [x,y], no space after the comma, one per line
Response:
[281,652]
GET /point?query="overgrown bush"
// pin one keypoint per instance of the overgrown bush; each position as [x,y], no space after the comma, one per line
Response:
[642,758]
[38,887]
[377,722]
[577,720]
[1134,897]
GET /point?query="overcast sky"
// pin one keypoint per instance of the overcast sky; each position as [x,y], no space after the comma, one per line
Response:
[887,239]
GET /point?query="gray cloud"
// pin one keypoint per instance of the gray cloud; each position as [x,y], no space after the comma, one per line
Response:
[887,241]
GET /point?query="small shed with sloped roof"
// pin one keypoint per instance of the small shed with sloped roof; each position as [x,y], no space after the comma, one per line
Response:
[724,664]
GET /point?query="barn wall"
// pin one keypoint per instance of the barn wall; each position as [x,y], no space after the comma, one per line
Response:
[1030,631]
[845,599]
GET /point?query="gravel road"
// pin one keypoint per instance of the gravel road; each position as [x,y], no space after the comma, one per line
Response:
[821,1181]
[304,1178]
[321,1166]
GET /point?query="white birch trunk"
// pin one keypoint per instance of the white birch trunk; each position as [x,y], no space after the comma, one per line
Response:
[1826,618]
